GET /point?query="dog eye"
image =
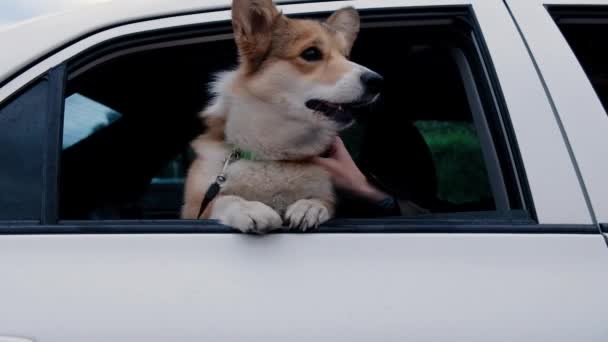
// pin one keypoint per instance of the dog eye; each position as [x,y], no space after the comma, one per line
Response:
[312,54]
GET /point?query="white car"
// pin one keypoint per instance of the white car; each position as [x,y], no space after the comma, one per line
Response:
[493,120]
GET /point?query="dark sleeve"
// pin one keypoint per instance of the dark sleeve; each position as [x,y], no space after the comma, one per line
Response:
[353,206]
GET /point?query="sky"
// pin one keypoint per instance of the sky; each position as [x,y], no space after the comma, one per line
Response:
[12,11]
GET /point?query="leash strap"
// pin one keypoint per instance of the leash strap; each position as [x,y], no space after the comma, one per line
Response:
[215,187]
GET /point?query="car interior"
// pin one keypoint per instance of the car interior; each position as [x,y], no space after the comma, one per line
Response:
[418,142]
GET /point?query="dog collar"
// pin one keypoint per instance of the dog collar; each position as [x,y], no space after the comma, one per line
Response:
[244,154]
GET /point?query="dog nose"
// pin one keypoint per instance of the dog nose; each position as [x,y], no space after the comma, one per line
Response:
[372,82]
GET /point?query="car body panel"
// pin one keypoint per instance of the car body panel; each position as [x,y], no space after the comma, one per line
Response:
[540,142]
[323,287]
[43,35]
[582,116]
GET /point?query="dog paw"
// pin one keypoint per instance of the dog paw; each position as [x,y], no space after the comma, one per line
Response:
[305,214]
[249,216]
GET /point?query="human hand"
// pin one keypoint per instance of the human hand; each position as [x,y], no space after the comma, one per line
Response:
[345,173]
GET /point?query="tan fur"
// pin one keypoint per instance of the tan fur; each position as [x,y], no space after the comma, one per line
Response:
[258,108]
[291,37]
[252,23]
[275,183]
[215,127]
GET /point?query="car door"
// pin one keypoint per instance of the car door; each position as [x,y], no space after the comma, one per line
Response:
[527,271]
[571,64]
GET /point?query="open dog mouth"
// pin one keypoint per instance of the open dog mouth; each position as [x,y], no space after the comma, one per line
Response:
[339,112]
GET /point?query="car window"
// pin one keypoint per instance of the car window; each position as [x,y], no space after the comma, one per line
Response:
[586,32]
[432,141]
[22,133]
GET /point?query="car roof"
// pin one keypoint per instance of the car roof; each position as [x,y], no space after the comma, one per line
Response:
[26,42]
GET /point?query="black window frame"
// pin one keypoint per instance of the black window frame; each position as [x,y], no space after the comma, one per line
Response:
[518,221]
[583,14]
[43,99]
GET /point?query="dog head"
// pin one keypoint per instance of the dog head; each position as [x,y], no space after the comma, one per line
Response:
[299,74]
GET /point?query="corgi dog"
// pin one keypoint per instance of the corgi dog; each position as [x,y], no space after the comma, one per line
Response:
[294,89]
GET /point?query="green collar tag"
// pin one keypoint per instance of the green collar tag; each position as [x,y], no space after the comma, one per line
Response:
[246,155]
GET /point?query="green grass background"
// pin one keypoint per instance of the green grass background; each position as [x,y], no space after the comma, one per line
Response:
[456,151]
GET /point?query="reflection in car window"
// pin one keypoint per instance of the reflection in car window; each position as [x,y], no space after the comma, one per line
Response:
[84,116]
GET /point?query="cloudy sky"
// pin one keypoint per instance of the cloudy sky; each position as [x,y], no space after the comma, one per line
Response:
[16,10]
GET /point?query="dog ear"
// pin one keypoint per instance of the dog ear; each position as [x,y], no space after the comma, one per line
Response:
[346,21]
[252,22]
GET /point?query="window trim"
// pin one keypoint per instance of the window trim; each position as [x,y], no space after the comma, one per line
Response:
[52,152]
[397,226]
[27,95]
[480,120]
[508,141]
